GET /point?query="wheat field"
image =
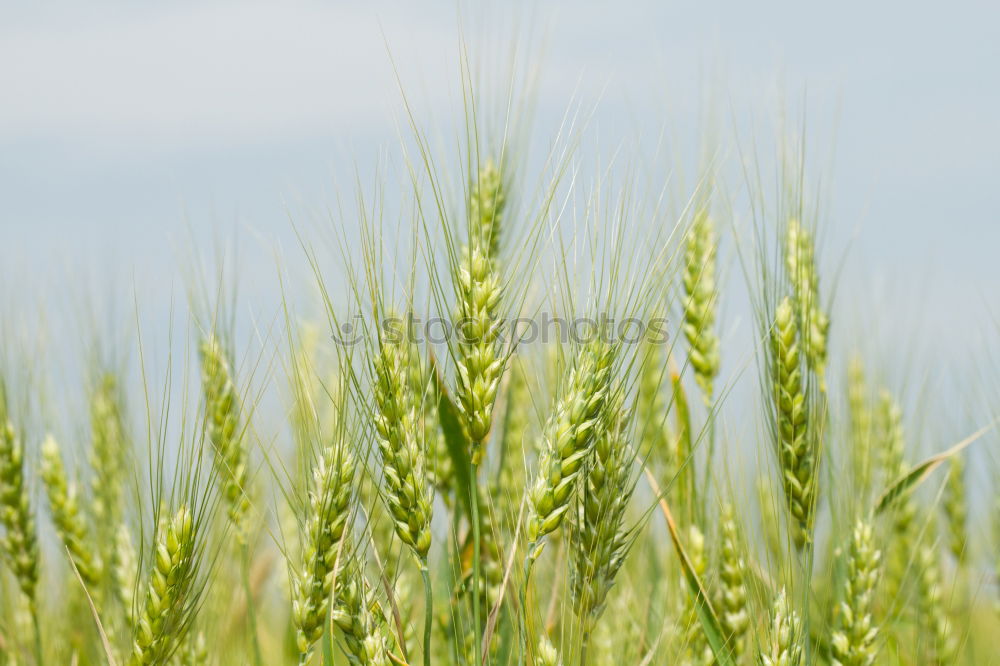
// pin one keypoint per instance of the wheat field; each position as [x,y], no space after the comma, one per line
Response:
[499,431]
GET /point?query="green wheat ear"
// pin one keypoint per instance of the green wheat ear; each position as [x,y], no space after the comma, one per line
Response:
[700,300]
[162,622]
[359,616]
[480,361]
[108,460]
[853,642]
[796,448]
[800,260]
[328,511]
[860,412]
[734,617]
[599,541]
[784,646]
[955,508]
[20,545]
[577,420]
[66,515]
[408,491]
[222,407]
[933,623]
[547,655]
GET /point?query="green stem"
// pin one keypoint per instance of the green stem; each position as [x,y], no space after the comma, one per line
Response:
[428,609]
[251,611]
[476,562]
[523,596]
[38,634]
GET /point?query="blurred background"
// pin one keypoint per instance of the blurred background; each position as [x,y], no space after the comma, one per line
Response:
[131,133]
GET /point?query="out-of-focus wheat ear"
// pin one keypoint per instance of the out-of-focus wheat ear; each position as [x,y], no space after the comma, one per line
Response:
[66,515]
[517,422]
[125,571]
[575,423]
[860,412]
[784,640]
[425,396]
[853,642]
[800,260]
[408,492]
[109,460]
[770,522]
[796,440]
[599,541]
[734,615]
[225,430]
[480,359]
[955,508]
[655,436]
[935,639]
[162,621]
[359,616]
[194,651]
[546,654]
[891,442]
[20,543]
[700,301]
[329,506]
[696,648]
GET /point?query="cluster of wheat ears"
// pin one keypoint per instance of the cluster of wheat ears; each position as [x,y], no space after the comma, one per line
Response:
[483,500]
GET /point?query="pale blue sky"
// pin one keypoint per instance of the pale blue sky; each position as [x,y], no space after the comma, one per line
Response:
[124,124]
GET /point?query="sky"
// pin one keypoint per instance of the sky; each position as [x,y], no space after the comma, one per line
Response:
[132,132]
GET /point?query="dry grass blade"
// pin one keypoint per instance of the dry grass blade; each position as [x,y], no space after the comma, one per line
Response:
[706,614]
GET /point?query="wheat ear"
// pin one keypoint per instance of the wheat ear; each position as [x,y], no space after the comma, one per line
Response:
[933,625]
[853,642]
[734,616]
[955,508]
[546,654]
[800,260]
[66,514]
[20,544]
[784,645]
[480,360]
[577,420]
[222,407]
[108,458]
[700,301]
[328,513]
[599,542]
[359,616]
[796,448]
[858,400]
[408,492]
[161,624]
